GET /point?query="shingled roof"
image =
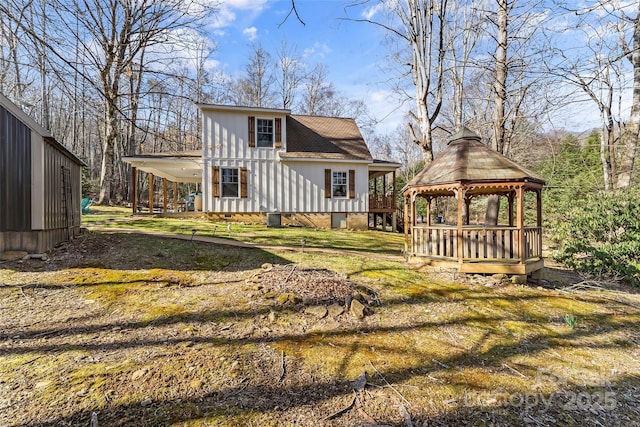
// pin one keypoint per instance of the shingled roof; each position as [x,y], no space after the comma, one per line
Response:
[311,137]
[467,159]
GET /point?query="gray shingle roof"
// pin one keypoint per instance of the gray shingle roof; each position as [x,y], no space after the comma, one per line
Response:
[313,137]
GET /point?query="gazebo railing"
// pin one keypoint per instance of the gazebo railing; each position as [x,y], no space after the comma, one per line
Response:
[478,243]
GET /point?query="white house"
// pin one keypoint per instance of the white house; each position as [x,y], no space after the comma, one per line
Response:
[313,171]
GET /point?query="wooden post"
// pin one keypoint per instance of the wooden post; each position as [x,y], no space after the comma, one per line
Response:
[539,208]
[520,222]
[175,197]
[134,189]
[151,193]
[460,243]
[510,198]
[467,204]
[164,194]
[406,225]
[539,218]
[428,212]
[394,218]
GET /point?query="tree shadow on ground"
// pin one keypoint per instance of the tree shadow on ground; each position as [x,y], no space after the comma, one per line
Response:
[124,251]
[267,395]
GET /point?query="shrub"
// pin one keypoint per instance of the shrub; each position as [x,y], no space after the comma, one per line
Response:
[600,235]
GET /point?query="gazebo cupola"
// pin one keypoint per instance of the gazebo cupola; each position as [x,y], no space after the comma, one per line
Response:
[469,170]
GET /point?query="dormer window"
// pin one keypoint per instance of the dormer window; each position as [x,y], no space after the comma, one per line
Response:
[264,133]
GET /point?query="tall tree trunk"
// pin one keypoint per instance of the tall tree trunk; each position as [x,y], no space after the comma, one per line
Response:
[106,170]
[500,82]
[499,100]
[630,135]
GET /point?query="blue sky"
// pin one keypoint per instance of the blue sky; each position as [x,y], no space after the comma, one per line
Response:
[353,52]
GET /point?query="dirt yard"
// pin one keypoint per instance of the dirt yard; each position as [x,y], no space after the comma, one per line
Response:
[137,330]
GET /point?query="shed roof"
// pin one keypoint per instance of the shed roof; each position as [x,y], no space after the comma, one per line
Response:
[36,127]
[469,160]
[312,137]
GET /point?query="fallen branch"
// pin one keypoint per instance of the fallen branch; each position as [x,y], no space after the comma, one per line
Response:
[290,273]
[514,370]
[240,390]
[442,365]
[25,296]
[282,372]
[343,410]
[406,415]
[388,384]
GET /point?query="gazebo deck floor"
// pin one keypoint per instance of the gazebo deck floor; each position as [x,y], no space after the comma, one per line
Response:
[482,266]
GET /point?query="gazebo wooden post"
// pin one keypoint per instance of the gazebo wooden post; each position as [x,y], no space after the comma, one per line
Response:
[467,204]
[539,217]
[428,198]
[460,242]
[151,192]
[175,196]
[134,189]
[406,226]
[394,215]
[510,198]
[164,194]
[520,222]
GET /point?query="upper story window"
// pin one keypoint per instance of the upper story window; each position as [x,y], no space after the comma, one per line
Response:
[339,184]
[264,133]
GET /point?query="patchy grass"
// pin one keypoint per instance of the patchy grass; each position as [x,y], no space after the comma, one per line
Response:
[257,234]
[146,330]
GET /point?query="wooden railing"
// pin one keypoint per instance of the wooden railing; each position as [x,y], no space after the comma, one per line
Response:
[379,202]
[478,243]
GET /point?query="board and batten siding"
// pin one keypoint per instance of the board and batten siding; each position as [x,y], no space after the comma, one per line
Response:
[35,213]
[15,173]
[273,185]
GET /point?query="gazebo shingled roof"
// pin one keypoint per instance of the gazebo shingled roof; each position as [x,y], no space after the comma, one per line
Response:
[468,159]
[467,169]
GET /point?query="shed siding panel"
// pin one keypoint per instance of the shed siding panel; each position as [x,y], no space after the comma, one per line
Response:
[15,173]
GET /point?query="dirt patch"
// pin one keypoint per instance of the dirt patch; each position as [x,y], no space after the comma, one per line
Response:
[310,286]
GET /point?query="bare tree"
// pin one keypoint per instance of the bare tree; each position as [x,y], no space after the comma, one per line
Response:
[420,25]
[255,88]
[316,91]
[631,135]
[113,35]
[464,29]
[290,75]
[598,70]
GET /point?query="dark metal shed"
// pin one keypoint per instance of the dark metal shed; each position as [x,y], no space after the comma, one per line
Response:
[40,185]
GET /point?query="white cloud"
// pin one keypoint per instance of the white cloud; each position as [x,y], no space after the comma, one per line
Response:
[226,11]
[317,51]
[372,11]
[251,33]
[223,17]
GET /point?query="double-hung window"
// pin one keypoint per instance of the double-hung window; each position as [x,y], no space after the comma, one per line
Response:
[339,184]
[264,133]
[230,182]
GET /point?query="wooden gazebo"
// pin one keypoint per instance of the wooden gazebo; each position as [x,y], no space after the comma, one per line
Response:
[465,170]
